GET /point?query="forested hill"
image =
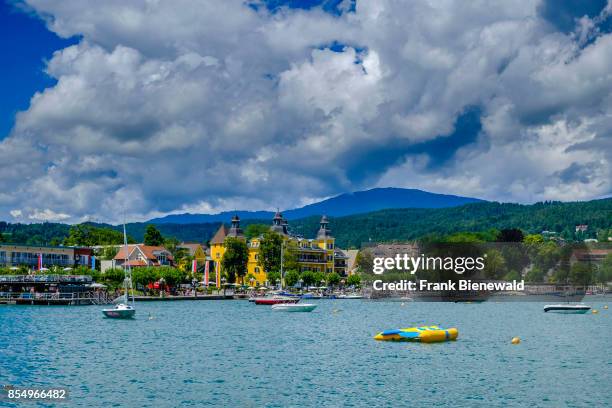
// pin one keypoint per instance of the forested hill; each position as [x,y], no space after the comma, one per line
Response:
[404,224]
[384,225]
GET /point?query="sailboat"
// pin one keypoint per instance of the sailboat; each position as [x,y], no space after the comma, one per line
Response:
[123,309]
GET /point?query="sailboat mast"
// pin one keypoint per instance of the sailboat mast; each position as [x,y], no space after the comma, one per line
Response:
[281,265]
[127,275]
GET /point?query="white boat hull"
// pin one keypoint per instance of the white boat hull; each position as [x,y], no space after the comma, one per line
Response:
[294,307]
[567,309]
[119,312]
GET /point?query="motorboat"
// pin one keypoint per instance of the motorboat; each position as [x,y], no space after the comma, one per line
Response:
[120,311]
[275,300]
[350,296]
[294,307]
[567,308]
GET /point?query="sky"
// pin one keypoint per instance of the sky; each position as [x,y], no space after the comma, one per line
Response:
[145,108]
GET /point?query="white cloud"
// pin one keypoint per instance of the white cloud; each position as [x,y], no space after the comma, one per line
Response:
[15,213]
[47,215]
[206,106]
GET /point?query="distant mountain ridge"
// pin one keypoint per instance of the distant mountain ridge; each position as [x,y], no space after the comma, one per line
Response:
[342,205]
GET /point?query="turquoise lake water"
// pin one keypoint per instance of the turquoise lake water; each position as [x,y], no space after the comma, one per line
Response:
[234,353]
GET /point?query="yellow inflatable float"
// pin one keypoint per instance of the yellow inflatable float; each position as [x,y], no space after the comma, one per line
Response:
[423,334]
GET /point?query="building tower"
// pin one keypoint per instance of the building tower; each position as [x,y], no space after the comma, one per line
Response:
[324,231]
[235,231]
[277,224]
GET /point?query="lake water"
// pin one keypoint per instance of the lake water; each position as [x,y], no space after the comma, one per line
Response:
[234,353]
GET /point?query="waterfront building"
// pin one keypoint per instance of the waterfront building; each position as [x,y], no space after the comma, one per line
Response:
[195,250]
[140,255]
[28,255]
[317,254]
[51,290]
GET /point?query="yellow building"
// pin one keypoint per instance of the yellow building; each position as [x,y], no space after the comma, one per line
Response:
[317,255]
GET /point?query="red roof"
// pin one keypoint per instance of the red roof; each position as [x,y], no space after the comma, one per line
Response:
[147,251]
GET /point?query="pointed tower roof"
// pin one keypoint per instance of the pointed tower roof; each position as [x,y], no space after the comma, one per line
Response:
[277,224]
[220,235]
[235,230]
[324,231]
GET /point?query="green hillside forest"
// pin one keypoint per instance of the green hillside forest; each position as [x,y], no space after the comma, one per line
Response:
[352,231]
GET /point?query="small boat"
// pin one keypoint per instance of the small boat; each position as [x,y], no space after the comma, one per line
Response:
[275,300]
[120,311]
[294,307]
[350,296]
[567,308]
[123,309]
[424,334]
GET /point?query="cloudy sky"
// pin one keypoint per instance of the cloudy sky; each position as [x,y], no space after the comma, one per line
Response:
[153,107]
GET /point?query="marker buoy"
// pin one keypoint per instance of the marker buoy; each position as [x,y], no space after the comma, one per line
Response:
[516,340]
[606,307]
[595,311]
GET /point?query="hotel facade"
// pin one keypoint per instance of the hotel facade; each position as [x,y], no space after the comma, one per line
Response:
[27,255]
[317,255]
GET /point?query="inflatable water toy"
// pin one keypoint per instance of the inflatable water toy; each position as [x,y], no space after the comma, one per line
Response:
[423,334]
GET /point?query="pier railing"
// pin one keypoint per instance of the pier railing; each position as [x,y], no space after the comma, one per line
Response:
[73,298]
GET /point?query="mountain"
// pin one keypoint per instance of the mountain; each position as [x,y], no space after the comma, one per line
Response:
[345,204]
[380,226]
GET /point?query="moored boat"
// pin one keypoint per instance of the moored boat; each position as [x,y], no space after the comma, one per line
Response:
[350,296]
[123,308]
[294,307]
[275,300]
[121,311]
[567,308]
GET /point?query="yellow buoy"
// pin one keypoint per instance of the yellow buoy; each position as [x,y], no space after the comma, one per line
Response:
[516,340]
[595,311]
[606,307]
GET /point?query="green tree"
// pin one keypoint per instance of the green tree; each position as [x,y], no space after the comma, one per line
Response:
[365,261]
[255,230]
[171,244]
[270,252]
[171,276]
[319,278]
[581,274]
[533,239]
[290,256]
[495,264]
[152,236]
[291,278]
[604,235]
[309,278]
[512,275]
[89,235]
[235,259]
[333,279]
[273,278]
[114,276]
[535,274]
[604,272]
[144,276]
[353,280]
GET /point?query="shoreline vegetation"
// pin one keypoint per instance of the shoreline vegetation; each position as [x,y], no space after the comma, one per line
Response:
[352,231]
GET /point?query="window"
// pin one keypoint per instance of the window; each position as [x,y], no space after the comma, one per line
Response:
[256,269]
